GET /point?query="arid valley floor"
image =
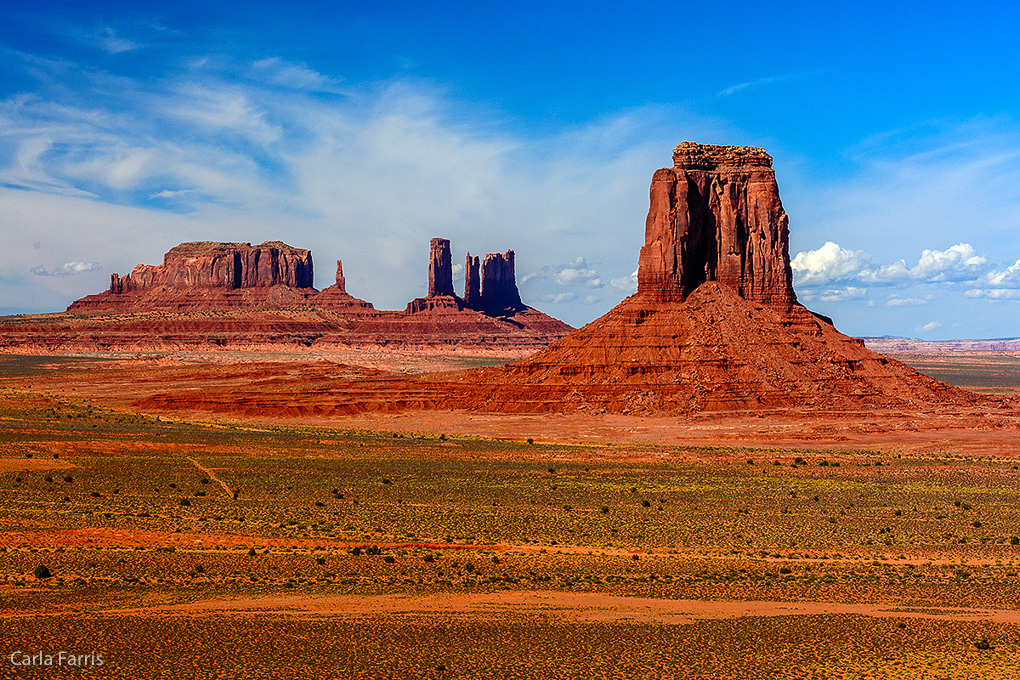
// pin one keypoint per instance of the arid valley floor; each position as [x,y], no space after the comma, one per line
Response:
[187,544]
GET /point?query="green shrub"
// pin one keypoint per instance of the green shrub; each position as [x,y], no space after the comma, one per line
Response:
[42,572]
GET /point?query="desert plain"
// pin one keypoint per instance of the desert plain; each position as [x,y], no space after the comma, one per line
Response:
[214,471]
[183,543]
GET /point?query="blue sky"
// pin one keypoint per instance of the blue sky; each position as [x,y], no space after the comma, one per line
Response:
[361,130]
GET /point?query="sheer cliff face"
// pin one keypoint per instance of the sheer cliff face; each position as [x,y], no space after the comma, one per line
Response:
[716,216]
[499,294]
[206,264]
[440,268]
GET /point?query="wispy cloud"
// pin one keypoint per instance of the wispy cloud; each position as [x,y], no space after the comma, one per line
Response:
[108,40]
[755,84]
[131,167]
[67,269]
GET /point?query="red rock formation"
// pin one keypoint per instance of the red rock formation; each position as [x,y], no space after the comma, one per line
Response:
[336,296]
[440,268]
[204,264]
[714,326]
[472,283]
[499,295]
[441,296]
[716,216]
[341,283]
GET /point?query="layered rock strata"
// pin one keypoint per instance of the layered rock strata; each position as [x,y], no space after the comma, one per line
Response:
[205,264]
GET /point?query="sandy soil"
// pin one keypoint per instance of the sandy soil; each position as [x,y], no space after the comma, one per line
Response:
[571,606]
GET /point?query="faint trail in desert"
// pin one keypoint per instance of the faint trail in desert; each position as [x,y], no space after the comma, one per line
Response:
[213,477]
[574,606]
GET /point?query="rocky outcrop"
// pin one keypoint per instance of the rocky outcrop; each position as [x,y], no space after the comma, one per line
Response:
[440,268]
[499,294]
[262,296]
[336,296]
[441,297]
[489,287]
[341,282]
[472,283]
[205,264]
[716,216]
[714,326]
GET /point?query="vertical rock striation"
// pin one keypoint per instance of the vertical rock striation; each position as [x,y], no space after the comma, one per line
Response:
[499,294]
[440,268]
[205,264]
[716,216]
[472,283]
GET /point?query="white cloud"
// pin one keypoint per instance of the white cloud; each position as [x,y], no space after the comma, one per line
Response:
[577,273]
[930,326]
[67,269]
[628,284]
[905,302]
[994,293]
[828,264]
[842,294]
[832,263]
[1006,278]
[294,76]
[108,40]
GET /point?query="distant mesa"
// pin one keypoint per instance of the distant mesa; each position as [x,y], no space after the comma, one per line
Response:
[230,266]
[236,295]
[714,326]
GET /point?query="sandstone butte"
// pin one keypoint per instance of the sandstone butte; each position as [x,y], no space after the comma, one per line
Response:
[714,326]
[239,296]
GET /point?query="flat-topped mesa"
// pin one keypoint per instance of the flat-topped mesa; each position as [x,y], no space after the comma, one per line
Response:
[716,216]
[206,264]
[499,295]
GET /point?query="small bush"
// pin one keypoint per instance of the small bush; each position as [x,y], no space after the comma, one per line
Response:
[645,504]
[1014,540]
[356,551]
[69,479]
[205,480]
[185,502]
[983,643]
[531,441]
[389,559]
[320,560]
[251,552]
[786,570]
[42,572]
[604,509]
